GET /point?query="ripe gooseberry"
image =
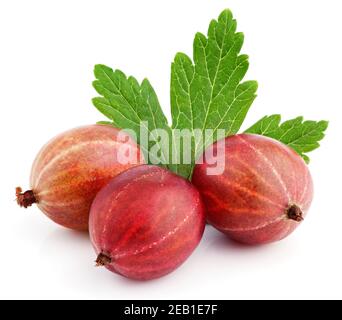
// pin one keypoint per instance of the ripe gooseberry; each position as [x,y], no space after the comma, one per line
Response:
[146,222]
[263,194]
[70,170]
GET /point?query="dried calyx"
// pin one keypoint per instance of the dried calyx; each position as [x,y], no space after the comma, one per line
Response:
[25,199]
[103,260]
[295,213]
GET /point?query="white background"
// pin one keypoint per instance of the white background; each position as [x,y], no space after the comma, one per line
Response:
[47,53]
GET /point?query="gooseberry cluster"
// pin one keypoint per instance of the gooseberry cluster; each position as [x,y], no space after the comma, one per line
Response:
[145,221]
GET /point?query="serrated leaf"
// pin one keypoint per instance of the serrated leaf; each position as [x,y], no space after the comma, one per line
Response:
[208,93]
[302,136]
[129,105]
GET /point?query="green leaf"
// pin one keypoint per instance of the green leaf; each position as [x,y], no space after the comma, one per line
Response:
[302,136]
[208,93]
[129,105]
